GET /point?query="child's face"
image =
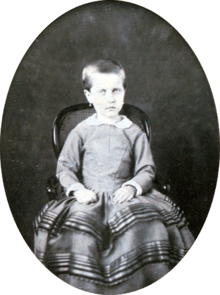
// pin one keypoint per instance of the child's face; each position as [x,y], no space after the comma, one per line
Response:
[107,93]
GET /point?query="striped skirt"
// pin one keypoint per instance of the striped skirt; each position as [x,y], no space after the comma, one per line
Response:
[109,248]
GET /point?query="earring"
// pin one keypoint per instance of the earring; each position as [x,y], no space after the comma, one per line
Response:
[90,105]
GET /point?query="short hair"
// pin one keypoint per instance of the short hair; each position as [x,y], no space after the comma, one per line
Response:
[101,66]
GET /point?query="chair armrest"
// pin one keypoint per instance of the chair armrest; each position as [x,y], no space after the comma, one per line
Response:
[54,188]
[161,186]
[164,188]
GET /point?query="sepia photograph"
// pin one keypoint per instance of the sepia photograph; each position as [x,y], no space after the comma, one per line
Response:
[109,147]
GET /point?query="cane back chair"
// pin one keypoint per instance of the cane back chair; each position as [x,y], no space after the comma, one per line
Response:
[69,117]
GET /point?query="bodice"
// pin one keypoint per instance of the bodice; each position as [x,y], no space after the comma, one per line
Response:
[107,159]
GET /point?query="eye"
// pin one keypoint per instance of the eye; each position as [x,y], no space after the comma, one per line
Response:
[102,91]
[116,91]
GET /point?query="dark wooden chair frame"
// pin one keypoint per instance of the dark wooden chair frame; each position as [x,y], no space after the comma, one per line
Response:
[54,190]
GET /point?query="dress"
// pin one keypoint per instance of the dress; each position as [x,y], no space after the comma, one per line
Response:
[104,247]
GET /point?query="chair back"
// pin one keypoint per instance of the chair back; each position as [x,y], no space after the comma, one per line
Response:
[71,116]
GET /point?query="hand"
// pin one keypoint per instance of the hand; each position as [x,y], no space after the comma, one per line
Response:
[85,196]
[124,194]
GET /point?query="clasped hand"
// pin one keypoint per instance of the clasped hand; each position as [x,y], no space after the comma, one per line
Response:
[85,196]
[123,194]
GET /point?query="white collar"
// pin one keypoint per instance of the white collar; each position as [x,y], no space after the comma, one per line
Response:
[124,123]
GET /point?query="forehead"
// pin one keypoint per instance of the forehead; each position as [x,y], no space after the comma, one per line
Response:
[107,79]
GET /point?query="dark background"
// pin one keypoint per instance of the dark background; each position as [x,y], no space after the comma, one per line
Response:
[165,80]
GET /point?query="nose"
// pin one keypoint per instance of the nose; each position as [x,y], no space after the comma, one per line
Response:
[110,97]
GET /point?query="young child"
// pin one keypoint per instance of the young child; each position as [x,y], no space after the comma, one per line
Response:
[112,233]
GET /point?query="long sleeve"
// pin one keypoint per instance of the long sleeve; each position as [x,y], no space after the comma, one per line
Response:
[144,169]
[68,164]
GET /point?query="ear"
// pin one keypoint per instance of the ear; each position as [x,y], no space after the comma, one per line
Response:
[88,95]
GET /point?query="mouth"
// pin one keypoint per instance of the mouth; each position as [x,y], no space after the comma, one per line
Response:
[110,108]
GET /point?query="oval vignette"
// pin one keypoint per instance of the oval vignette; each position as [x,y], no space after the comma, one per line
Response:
[165,80]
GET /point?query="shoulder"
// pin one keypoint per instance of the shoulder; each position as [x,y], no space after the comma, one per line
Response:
[81,128]
[129,126]
[135,135]
[86,127]
[134,131]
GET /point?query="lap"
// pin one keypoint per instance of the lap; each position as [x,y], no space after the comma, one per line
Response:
[68,212]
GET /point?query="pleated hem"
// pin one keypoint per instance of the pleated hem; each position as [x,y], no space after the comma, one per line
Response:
[120,270]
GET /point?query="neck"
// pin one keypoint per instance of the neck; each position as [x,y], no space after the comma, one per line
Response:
[109,120]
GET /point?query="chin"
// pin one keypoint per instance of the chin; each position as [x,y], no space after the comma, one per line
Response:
[112,114]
